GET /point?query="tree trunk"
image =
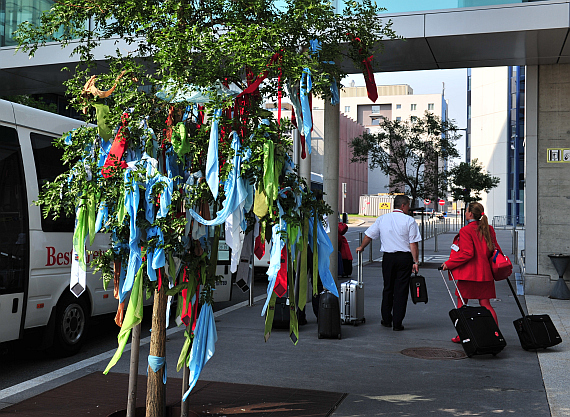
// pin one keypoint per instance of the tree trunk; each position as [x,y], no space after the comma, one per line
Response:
[156,389]
[134,371]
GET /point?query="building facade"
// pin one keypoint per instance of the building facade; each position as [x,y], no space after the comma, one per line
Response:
[395,102]
[495,136]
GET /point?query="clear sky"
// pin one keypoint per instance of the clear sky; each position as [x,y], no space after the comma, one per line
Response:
[431,82]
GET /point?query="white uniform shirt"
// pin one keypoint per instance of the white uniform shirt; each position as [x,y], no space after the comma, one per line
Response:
[396,231]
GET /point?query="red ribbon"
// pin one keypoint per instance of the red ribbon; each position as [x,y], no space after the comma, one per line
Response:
[253,86]
[259,250]
[371,88]
[281,282]
[369,79]
[117,150]
[189,310]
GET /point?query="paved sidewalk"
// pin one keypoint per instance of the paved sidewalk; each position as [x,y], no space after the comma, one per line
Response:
[368,363]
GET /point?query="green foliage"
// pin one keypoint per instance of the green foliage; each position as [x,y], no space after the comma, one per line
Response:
[410,152]
[469,180]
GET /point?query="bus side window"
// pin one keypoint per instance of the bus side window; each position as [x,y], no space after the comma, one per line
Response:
[48,166]
[13,215]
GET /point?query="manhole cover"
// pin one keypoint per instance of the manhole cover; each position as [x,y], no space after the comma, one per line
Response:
[433,353]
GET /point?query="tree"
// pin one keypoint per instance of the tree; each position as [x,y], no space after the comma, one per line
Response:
[409,153]
[181,133]
[469,180]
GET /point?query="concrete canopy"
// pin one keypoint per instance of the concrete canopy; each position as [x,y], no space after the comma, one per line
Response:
[511,34]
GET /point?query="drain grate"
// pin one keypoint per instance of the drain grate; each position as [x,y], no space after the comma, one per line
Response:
[433,353]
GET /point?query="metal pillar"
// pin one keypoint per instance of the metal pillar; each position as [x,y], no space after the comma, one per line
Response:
[330,180]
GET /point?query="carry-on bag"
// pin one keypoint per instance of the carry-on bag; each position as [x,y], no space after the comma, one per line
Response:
[475,326]
[352,299]
[329,316]
[536,331]
[418,289]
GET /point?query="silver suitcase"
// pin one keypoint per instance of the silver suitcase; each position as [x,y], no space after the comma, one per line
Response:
[352,299]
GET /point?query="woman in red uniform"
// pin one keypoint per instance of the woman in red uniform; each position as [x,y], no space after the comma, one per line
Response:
[469,259]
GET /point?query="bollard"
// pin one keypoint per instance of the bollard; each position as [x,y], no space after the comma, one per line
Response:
[513,244]
[435,236]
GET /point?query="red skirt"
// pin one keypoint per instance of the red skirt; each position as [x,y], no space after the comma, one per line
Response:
[476,290]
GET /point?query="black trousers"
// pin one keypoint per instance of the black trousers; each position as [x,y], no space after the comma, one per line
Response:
[396,270]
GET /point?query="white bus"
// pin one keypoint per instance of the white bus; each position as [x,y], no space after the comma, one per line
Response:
[35,253]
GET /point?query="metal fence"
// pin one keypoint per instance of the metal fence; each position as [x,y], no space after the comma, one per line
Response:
[508,220]
[375,205]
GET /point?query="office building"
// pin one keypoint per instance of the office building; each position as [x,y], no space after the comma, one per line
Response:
[495,137]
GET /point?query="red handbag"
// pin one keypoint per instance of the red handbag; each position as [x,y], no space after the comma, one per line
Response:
[501,265]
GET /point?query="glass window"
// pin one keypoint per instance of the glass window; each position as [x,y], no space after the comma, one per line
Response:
[375,109]
[431,106]
[413,118]
[375,122]
[347,109]
[14,12]
[398,119]
[48,166]
[398,106]
[413,106]
[13,214]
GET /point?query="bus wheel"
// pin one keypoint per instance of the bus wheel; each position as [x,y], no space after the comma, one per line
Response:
[70,323]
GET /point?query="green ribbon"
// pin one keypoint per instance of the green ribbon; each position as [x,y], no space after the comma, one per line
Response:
[303,242]
[80,233]
[183,358]
[102,111]
[269,316]
[133,317]
[92,203]
[293,322]
[179,139]
[271,185]
[121,209]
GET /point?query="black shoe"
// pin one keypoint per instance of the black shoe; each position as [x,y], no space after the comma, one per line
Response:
[385,323]
[398,328]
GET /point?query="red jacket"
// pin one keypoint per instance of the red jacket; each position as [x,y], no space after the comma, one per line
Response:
[343,243]
[471,261]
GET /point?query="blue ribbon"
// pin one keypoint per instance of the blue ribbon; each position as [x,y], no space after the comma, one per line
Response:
[274,263]
[234,189]
[102,216]
[203,346]
[132,198]
[305,89]
[155,363]
[212,163]
[104,152]
[324,248]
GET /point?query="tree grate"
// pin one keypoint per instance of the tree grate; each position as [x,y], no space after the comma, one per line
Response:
[433,353]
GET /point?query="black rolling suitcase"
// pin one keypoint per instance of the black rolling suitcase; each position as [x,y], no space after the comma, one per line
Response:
[418,289]
[536,331]
[282,313]
[476,327]
[329,316]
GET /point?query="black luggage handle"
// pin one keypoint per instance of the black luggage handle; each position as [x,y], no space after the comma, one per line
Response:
[516,297]
[440,269]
